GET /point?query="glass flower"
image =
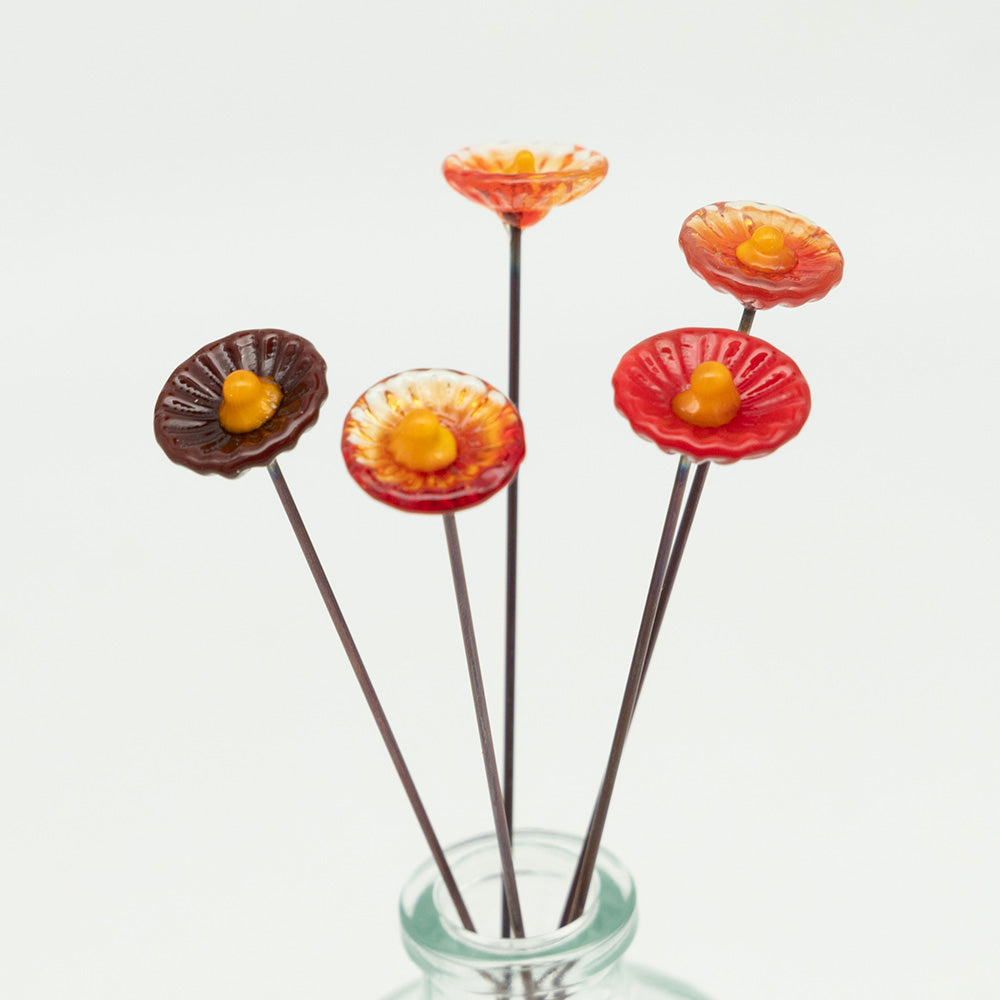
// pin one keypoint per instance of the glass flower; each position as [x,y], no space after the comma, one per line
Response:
[790,260]
[774,395]
[487,431]
[523,183]
[186,416]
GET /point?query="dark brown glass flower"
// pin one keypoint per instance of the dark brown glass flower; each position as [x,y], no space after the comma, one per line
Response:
[186,416]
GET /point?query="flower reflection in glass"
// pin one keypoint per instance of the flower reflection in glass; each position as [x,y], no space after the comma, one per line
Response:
[774,396]
[186,416]
[523,183]
[763,255]
[420,410]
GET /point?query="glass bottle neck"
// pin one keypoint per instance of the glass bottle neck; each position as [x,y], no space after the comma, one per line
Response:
[581,961]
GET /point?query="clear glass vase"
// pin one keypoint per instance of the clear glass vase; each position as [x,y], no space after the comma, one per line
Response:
[583,961]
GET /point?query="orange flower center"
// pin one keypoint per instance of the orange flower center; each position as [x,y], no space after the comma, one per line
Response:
[422,443]
[524,162]
[766,251]
[712,400]
[248,402]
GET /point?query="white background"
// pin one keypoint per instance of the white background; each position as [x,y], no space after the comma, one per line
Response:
[193,800]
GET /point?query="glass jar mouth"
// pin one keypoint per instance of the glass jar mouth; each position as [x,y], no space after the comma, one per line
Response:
[545,863]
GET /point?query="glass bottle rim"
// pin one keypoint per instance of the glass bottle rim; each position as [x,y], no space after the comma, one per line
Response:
[435,938]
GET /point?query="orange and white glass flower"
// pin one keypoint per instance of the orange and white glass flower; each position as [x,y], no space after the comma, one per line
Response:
[432,440]
[523,183]
[763,255]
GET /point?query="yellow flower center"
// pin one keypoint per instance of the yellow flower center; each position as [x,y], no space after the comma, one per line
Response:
[712,400]
[248,402]
[422,443]
[766,251]
[524,162]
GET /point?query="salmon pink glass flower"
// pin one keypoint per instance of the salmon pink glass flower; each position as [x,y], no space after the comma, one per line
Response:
[523,183]
[485,440]
[763,255]
[774,396]
[186,415]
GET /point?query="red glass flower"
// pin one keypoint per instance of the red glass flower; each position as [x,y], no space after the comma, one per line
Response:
[763,255]
[186,416]
[774,395]
[523,183]
[487,436]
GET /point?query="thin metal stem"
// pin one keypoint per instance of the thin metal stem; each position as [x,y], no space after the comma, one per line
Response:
[676,554]
[673,564]
[483,721]
[509,655]
[513,392]
[514,354]
[368,690]
[746,320]
[588,857]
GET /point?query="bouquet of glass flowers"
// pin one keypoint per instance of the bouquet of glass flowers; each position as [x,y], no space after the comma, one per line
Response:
[437,441]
